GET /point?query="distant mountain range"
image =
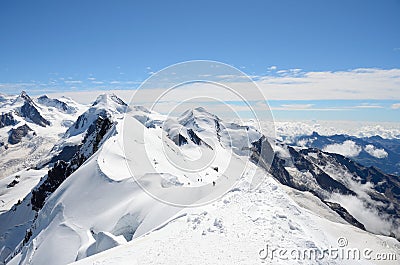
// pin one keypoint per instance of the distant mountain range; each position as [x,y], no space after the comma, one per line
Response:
[369,151]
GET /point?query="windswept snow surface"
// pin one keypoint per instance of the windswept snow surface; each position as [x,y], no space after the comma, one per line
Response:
[234,229]
[16,186]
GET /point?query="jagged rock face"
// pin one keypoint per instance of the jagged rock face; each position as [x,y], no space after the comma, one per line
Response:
[320,184]
[324,180]
[17,134]
[262,153]
[193,136]
[29,111]
[386,190]
[95,134]
[310,170]
[55,177]
[26,97]
[63,169]
[180,140]
[66,154]
[344,214]
[113,98]
[7,119]
[44,100]
[80,123]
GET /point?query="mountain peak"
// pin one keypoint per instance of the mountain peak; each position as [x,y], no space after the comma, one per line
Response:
[60,105]
[195,114]
[25,97]
[109,98]
[30,110]
[200,109]
[314,134]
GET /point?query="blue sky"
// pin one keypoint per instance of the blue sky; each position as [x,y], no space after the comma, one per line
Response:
[75,45]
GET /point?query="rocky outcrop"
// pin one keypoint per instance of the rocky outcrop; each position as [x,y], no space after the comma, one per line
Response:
[7,119]
[15,135]
[29,111]
[61,170]
[344,214]
[60,105]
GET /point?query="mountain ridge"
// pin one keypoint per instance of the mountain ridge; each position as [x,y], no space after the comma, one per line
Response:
[89,199]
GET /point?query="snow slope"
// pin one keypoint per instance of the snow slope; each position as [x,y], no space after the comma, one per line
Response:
[236,228]
[16,186]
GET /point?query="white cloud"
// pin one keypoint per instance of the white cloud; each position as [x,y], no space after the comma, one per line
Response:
[347,148]
[396,106]
[357,84]
[367,106]
[388,130]
[296,106]
[373,151]
[73,82]
[295,84]
[272,68]
[362,83]
[370,217]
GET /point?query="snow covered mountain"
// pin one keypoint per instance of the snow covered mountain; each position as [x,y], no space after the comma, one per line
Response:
[29,127]
[79,143]
[81,200]
[369,151]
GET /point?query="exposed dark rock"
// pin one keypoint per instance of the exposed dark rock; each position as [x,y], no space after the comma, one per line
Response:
[262,153]
[386,187]
[80,123]
[29,111]
[26,97]
[66,154]
[15,135]
[180,140]
[389,163]
[312,178]
[97,130]
[344,214]
[54,178]
[324,180]
[63,169]
[50,102]
[12,183]
[113,98]
[193,136]
[7,119]
[28,236]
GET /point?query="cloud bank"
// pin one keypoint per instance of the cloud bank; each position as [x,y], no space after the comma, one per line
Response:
[373,151]
[291,84]
[347,148]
